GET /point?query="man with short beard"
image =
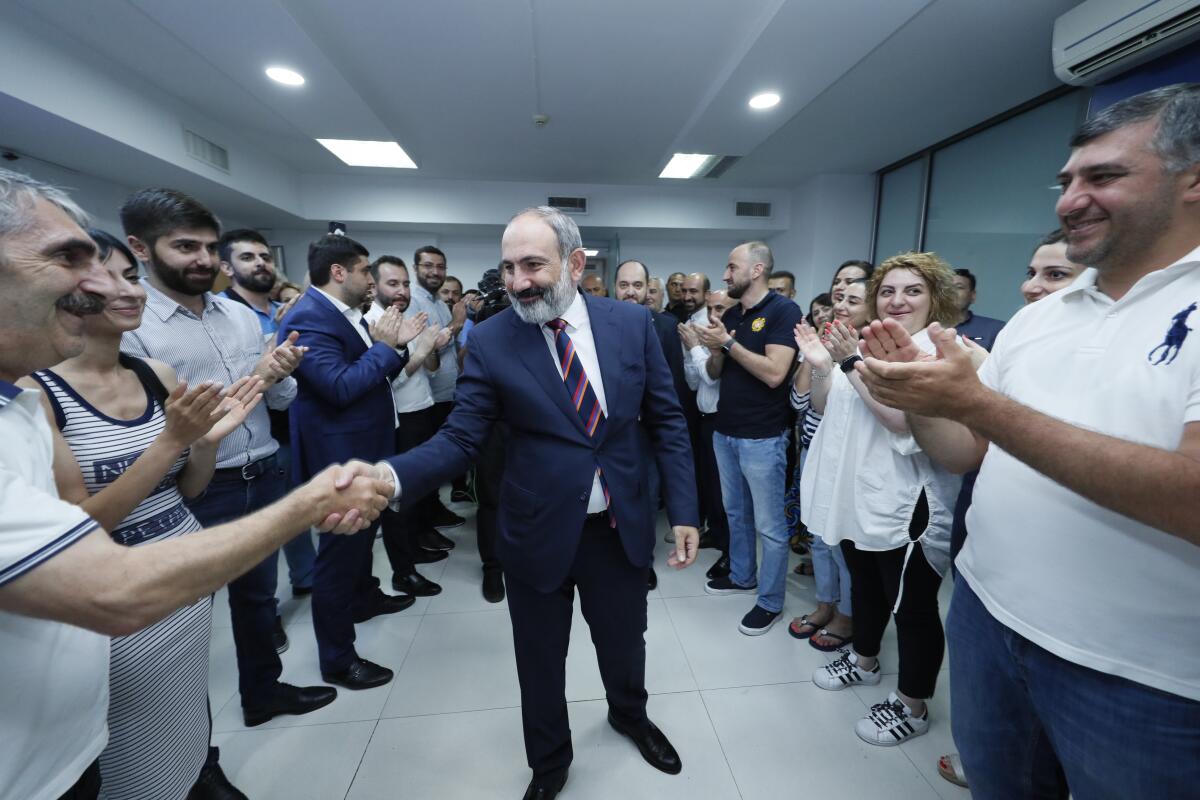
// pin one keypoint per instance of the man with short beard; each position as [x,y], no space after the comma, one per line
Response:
[247,260]
[654,295]
[451,291]
[593,284]
[576,378]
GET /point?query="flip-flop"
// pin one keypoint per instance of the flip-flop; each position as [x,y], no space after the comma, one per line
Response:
[842,641]
[803,621]
[803,568]
[950,767]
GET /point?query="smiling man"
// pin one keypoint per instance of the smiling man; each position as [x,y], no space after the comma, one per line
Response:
[1073,635]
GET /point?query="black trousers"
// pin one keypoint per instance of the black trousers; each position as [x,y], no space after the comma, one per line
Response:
[400,528]
[612,594]
[441,412]
[88,785]
[876,578]
[489,471]
[711,505]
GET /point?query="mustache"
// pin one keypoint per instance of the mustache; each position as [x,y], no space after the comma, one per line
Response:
[80,303]
[531,292]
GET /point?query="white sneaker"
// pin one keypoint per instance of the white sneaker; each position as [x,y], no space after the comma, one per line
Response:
[845,672]
[891,723]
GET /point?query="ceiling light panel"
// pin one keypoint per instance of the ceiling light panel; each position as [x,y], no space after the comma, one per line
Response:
[359,153]
[764,101]
[685,165]
[288,77]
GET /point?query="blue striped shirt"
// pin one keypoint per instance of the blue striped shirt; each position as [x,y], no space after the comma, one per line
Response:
[223,344]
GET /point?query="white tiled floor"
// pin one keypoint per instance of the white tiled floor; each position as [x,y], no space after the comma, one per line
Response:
[742,711]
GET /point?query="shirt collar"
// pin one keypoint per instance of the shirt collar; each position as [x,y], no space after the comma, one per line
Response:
[338,304]
[700,317]
[8,392]
[163,306]
[1085,284]
[424,293]
[576,316]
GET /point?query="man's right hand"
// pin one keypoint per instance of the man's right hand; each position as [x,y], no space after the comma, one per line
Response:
[386,329]
[713,335]
[886,340]
[346,498]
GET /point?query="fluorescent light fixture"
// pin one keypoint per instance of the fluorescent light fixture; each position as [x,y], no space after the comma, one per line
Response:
[591,253]
[685,165]
[288,77]
[358,153]
[764,100]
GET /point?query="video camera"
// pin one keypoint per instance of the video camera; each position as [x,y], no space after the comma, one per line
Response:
[494,296]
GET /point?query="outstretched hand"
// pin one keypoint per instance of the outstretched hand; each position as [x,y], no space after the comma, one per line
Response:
[815,353]
[941,386]
[886,340]
[344,499]
[236,404]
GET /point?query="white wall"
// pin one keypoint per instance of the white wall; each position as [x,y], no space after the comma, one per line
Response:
[664,257]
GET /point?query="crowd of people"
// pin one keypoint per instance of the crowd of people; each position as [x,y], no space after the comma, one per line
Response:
[163,440]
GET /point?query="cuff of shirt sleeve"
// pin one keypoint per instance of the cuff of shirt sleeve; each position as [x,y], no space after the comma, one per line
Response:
[395,480]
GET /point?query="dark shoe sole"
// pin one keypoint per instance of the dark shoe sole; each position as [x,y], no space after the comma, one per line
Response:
[255,718]
[354,687]
[646,757]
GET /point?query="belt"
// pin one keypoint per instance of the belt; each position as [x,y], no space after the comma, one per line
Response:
[246,472]
[597,515]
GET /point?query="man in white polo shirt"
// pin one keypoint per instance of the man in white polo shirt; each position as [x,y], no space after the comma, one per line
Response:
[1075,632]
[65,586]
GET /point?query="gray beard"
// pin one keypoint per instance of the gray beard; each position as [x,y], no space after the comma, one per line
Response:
[551,305]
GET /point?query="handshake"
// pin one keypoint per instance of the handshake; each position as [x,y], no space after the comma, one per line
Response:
[345,498]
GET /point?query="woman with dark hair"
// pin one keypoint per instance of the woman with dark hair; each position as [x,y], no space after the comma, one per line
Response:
[849,272]
[130,444]
[882,500]
[820,311]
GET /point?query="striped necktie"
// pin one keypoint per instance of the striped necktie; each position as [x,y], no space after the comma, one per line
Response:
[583,396]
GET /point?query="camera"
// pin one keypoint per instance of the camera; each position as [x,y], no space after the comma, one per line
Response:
[494,296]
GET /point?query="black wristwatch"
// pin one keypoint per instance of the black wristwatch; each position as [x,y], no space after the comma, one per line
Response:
[728,345]
[847,364]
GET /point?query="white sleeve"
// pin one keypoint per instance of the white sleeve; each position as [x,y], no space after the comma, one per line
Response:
[35,526]
[699,357]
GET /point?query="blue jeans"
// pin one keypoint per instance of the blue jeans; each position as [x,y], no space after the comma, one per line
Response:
[1023,718]
[300,553]
[752,483]
[252,596]
[831,575]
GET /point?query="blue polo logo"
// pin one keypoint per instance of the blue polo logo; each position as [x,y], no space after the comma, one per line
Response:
[1174,340]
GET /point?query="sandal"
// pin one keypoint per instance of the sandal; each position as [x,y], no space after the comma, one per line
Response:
[841,641]
[803,622]
[804,568]
[950,767]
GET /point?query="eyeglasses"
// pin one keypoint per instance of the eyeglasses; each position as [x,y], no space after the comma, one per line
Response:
[429,264]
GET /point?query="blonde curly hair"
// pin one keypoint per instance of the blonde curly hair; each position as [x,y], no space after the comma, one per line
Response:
[938,277]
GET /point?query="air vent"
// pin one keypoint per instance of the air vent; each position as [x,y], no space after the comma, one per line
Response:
[1175,26]
[568,205]
[747,208]
[210,153]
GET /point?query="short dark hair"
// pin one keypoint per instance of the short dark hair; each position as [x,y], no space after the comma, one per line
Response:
[1053,237]
[395,261]
[644,269]
[865,266]
[963,272]
[331,249]
[151,213]
[823,298]
[225,246]
[427,249]
[456,280]
[672,275]
[1176,107]
[107,244]
[783,273]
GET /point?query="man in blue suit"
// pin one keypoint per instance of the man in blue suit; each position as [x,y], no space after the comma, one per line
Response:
[571,375]
[344,406]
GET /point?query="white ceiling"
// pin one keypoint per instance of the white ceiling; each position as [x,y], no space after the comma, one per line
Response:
[625,82]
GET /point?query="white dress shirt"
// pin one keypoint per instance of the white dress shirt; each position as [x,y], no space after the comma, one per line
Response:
[409,392]
[695,369]
[579,328]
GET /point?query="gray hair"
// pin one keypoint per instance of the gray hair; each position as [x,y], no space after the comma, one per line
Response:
[760,253]
[1177,108]
[18,195]
[565,229]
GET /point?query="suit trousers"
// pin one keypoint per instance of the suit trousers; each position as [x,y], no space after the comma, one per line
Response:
[400,528]
[343,587]
[612,595]
[489,471]
[711,506]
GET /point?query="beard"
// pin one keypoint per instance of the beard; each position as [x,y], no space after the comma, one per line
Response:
[735,291]
[259,281]
[188,281]
[1130,233]
[551,303]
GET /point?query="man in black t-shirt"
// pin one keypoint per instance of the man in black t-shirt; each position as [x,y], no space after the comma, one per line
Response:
[753,353]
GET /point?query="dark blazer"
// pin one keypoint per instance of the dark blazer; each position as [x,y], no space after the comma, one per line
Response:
[343,407]
[511,375]
[667,328]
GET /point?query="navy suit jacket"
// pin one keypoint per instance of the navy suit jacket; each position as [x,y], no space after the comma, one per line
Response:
[667,328]
[511,375]
[343,407]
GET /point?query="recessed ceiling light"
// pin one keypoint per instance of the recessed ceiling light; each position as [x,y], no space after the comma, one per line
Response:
[685,165]
[764,100]
[591,253]
[358,153]
[288,77]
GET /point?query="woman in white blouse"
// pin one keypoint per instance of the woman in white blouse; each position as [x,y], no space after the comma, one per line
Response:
[868,488]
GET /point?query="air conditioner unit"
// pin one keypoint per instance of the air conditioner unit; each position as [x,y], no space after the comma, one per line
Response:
[1101,38]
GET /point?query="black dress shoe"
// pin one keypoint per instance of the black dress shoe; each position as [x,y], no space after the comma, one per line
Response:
[461,496]
[289,699]
[708,541]
[652,744]
[493,585]
[213,785]
[361,674]
[445,518]
[432,540]
[422,556]
[301,591]
[652,580]
[279,637]
[548,790]
[416,585]
[720,569]
[386,604]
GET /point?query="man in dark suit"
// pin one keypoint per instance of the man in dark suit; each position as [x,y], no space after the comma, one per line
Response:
[343,406]
[571,374]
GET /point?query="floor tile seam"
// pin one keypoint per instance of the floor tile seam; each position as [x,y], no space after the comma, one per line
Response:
[597,699]
[403,660]
[361,758]
[721,744]
[679,639]
[273,728]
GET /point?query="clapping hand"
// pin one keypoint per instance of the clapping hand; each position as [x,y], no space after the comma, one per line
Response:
[840,339]
[689,335]
[411,327]
[386,329]
[344,499]
[687,545]
[815,353]
[886,340]
[940,386]
[713,335]
[280,361]
[235,406]
[191,415]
